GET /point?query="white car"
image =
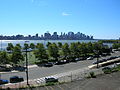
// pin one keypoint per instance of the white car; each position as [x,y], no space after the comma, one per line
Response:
[89,58]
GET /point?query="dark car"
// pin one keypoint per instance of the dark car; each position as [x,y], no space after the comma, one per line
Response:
[100,61]
[2,81]
[49,64]
[19,68]
[106,68]
[3,68]
[51,79]
[16,79]
[114,57]
[82,58]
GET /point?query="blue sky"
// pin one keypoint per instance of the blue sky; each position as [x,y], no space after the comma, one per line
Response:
[100,18]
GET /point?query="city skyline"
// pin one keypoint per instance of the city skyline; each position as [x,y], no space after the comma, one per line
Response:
[98,18]
[49,36]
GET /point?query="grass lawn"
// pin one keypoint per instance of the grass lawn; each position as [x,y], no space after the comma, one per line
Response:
[31,58]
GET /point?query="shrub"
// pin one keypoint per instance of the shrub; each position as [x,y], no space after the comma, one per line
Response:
[92,75]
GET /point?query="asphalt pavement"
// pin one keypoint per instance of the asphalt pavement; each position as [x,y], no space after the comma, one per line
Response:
[39,72]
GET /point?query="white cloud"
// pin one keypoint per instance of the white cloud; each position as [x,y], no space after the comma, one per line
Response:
[65,14]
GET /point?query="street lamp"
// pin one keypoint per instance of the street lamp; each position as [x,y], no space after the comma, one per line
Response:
[97,53]
[26,63]
[97,61]
[1,44]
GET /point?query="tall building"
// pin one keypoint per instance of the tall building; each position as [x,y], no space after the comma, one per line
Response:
[55,36]
[47,35]
[36,35]
[70,35]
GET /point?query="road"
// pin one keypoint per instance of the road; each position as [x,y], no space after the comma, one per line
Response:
[39,72]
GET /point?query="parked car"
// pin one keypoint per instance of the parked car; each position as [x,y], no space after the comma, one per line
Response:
[106,68]
[19,68]
[90,58]
[49,64]
[51,79]
[104,55]
[61,62]
[15,79]
[3,81]
[100,61]
[77,59]
[114,57]
[3,68]
[73,60]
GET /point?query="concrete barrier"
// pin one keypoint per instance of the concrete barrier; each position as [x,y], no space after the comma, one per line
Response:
[105,63]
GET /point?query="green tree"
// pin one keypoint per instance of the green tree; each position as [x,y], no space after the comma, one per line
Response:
[74,50]
[97,47]
[26,46]
[32,45]
[106,49]
[10,47]
[49,43]
[41,53]
[53,51]
[65,50]
[82,49]
[59,44]
[17,56]
[116,45]
[19,45]
[4,59]
[89,47]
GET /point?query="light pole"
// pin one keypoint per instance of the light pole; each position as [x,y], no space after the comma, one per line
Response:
[1,44]
[26,63]
[97,61]
[97,53]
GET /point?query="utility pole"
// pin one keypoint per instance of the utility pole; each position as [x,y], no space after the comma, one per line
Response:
[1,44]
[97,61]
[97,53]
[27,65]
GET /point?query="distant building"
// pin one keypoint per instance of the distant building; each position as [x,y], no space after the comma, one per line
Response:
[48,36]
[54,36]
[71,35]
[36,35]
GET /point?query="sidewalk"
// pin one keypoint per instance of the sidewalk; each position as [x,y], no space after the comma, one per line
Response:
[32,66]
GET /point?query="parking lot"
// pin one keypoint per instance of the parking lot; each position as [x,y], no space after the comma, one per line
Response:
[103,82]
[58,70]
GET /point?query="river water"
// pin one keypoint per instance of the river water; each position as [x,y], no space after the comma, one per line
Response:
[4,43]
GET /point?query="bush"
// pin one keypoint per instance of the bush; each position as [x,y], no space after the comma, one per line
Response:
[92,75]
[107,70]
[115,69]
[50,83]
